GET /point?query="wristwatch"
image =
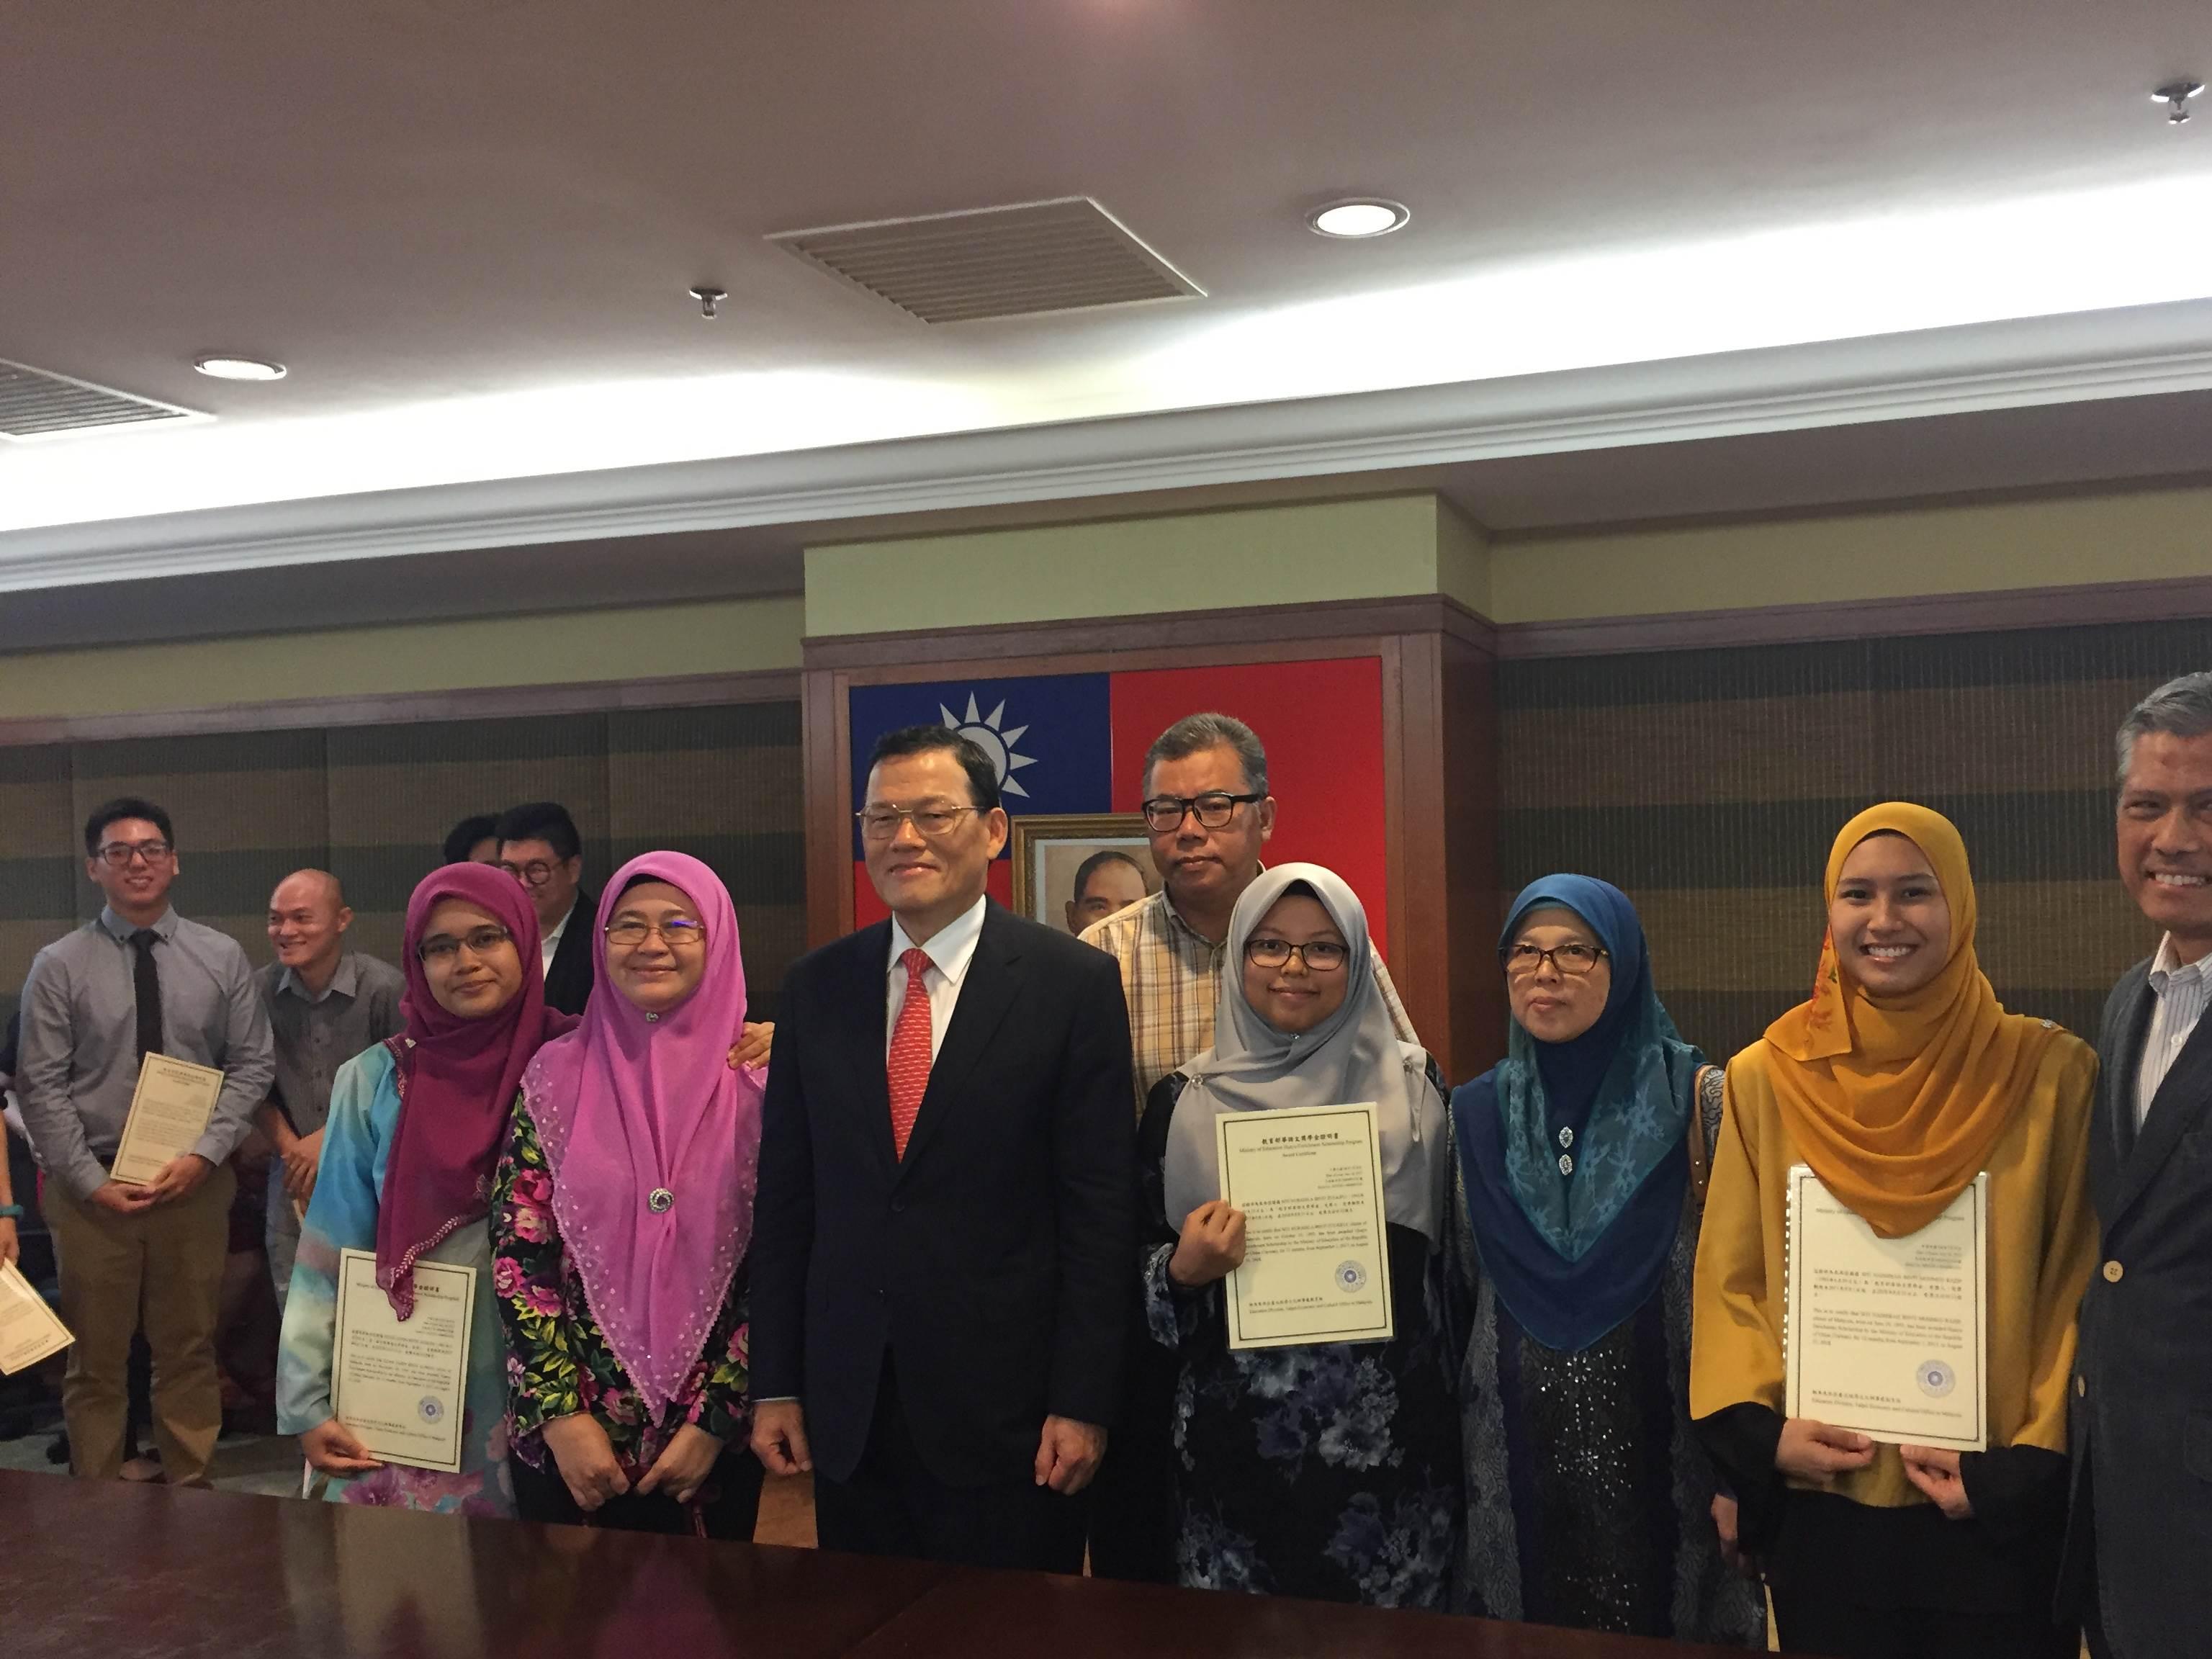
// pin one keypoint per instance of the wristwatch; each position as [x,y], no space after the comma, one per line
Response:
[11,1212]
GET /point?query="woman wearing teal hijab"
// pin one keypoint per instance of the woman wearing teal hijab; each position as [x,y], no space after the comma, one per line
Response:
[1589,1501]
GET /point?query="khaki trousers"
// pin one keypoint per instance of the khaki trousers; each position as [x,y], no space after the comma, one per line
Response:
[160,1270]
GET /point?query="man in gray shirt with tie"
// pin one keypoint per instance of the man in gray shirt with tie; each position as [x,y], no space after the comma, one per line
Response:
[138,979]
[326,1004]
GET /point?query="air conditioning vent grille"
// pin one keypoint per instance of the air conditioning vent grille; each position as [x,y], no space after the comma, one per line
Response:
[1066,255]
[37,404]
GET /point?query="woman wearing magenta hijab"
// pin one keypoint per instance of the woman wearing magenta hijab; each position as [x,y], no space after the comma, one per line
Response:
[621,1216]
[414,1135]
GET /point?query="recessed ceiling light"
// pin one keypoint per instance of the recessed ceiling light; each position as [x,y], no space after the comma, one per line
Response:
[1370,217]
[238,368]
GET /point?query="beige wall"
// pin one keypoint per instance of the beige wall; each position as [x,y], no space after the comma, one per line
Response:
[1969,548]
[1379,548]
[647,642]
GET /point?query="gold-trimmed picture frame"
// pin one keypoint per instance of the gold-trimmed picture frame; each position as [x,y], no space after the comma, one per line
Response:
[1048,848]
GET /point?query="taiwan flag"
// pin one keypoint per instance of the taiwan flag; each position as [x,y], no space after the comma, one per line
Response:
[1076,742]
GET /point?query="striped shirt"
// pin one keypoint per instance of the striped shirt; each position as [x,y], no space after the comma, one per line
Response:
[2183,989]
[1171,978]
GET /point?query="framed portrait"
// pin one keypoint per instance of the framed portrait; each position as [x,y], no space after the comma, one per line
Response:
[1107,855]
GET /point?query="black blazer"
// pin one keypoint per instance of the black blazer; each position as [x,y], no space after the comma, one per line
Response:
[2142,1418]
[992,1261]
[576,959]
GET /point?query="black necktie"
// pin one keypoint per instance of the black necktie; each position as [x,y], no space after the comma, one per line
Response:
[148,984]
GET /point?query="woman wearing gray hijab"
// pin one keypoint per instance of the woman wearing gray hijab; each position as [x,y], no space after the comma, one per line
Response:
[1330,1470]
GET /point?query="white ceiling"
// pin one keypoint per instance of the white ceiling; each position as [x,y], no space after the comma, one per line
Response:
[468,225]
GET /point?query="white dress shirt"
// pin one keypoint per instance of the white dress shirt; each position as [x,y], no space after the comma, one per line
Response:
[549,944]
[2182,989]
[949,950]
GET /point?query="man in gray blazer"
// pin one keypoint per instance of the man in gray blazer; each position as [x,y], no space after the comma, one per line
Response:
[2140,1544]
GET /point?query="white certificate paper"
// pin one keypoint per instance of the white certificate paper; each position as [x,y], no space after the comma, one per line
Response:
[1316,1266]
[1889,1337]
[402,1388]
[169,1113]
[28,1330]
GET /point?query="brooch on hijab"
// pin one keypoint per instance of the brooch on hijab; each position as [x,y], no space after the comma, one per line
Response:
[659,1200]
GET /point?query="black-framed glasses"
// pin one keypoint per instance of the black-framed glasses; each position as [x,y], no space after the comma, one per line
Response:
[678,933]
[930,820]
[1320,956]
[1213,810]
[479,942]
[1574,959]
[118,855]
[536,873]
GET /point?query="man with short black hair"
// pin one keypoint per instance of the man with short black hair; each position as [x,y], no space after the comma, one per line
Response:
[945,1233]
[138,979]
[326,1003]
[539,846]
[474,840]
[1107,882]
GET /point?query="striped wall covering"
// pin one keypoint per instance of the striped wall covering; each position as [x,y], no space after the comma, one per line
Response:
[374,804]
[1709,784]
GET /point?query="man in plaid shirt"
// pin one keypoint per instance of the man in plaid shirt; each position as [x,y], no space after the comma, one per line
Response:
[1208,813]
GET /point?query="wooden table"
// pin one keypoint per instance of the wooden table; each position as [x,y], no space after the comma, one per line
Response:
[108,1570]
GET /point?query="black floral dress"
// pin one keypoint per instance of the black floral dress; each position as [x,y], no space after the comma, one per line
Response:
[558,1362]
[1330,1471]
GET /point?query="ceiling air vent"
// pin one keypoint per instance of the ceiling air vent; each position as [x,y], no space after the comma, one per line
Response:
[34,404]
[1067,255]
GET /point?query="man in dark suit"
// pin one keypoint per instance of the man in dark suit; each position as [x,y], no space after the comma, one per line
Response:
[2140,1543]
[539,846]
[945,1233]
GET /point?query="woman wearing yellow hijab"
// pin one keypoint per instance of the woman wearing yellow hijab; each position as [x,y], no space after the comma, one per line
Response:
[1900,1080]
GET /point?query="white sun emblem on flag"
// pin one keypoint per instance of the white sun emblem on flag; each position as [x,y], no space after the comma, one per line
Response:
[984,731]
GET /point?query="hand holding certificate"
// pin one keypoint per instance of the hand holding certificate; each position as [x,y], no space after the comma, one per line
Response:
[1888,1336]
[1308,1181]
[28,1330]
[168,1114]
[402,1388]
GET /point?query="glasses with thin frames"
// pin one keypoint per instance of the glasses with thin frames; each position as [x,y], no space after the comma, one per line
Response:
[479,942]
[118,855]
[678,933]
[1574,959]
[1212,812]
[930,821]
[1320,956]
[536,873]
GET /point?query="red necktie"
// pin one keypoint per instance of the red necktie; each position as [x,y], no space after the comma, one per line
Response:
[909,1060]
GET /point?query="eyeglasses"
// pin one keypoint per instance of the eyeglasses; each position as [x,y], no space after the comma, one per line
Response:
[536,873]
[678,933]
[1320,956]
[480,942]
[1212,812]
[882,823]
[1573,959]
[118,854]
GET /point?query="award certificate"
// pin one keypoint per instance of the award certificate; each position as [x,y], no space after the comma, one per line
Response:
[168,1114]
[28,1330]
[1888,1337]
[1317,1267]
[401,1388]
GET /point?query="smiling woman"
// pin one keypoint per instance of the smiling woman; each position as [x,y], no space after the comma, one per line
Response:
[1900,1082]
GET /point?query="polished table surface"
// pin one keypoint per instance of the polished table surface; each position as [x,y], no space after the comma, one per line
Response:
[106,1571]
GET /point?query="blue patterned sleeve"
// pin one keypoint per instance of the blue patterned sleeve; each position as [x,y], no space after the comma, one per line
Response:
[341,1216]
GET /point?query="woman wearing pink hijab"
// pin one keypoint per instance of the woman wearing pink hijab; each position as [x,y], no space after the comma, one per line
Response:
[620,1219]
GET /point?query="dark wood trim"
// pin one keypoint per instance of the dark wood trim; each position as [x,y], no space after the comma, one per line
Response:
[398,707]
[827,770]
[2072,606]
[1162,641]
